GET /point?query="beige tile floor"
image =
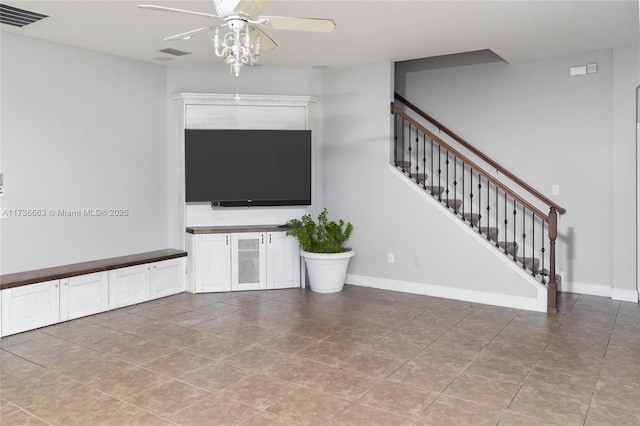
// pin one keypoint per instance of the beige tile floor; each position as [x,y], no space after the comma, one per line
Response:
[360,357]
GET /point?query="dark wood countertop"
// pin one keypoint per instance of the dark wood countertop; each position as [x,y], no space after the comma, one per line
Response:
[18,279]
[236,229]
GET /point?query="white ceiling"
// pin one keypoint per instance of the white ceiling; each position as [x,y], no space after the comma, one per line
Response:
[367,31]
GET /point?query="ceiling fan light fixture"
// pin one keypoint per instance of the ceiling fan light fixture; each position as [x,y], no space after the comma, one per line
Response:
[243,18]
[236,46]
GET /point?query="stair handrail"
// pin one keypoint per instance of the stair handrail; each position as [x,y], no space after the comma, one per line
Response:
[551,218]
[473,165]
[483,156]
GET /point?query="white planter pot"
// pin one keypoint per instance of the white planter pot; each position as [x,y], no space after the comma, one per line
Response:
[327,271]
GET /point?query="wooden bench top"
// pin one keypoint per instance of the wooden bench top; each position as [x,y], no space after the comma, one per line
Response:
[236,229]
[18,279]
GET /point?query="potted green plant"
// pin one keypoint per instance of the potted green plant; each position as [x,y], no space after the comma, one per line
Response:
[323,250]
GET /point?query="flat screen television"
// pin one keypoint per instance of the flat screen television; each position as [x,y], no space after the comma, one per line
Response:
[232,168]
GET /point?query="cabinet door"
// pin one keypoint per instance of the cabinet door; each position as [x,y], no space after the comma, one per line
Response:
[213,262]
[30,306]
[167,277]
[84,295]
[248,261]
[128,286]
[190,263]
[283,261]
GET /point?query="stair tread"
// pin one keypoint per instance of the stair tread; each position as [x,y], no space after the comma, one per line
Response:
[420,177]
[403,165]
[452,203]
[473,218]
[507,244]
[532,263]
[509,247]
[435,189]
[488,229]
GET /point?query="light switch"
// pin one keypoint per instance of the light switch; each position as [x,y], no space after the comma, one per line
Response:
[555,189]
[581,70]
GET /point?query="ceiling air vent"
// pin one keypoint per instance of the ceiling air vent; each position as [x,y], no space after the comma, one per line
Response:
[18,17]
[174,52]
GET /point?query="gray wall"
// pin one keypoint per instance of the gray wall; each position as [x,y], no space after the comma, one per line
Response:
[626,78]
[549,128]
[80,130]
[388,216]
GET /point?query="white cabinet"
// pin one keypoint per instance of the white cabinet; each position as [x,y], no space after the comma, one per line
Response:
[167,277]
[210,258]
[248,261]
[37,305]
[283,261]
[128,286]
[30,306]
[84,295]
[139,283]
[242,260]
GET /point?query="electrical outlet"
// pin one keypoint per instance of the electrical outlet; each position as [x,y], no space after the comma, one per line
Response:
[390,258]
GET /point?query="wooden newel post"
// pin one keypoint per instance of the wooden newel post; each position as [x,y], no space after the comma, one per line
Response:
[552,288]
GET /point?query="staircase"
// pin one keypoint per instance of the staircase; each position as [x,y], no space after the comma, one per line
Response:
[500,206]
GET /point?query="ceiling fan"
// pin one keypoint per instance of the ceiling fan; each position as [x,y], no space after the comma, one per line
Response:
[244,39]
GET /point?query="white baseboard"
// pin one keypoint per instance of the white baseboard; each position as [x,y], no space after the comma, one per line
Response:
[584,288]
[624,295]
[474,296]
[590,289]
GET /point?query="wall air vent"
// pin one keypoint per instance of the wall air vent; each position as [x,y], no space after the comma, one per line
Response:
[18,17]
[174,52]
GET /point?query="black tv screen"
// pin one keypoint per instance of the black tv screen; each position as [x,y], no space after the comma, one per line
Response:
[248,167]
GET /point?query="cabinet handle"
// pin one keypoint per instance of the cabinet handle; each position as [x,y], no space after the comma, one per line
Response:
[262,239]
[226,240]
[269,238]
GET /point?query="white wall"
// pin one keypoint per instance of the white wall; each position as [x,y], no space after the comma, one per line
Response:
[388,216]
[80,130]
[552,129]
[626,78]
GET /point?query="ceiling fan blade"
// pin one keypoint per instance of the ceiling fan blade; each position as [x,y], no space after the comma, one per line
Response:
[253,7]
[297,24]
[171,9]
[188,34]
[266,42]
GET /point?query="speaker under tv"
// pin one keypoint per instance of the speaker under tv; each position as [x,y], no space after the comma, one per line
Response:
[238,168]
